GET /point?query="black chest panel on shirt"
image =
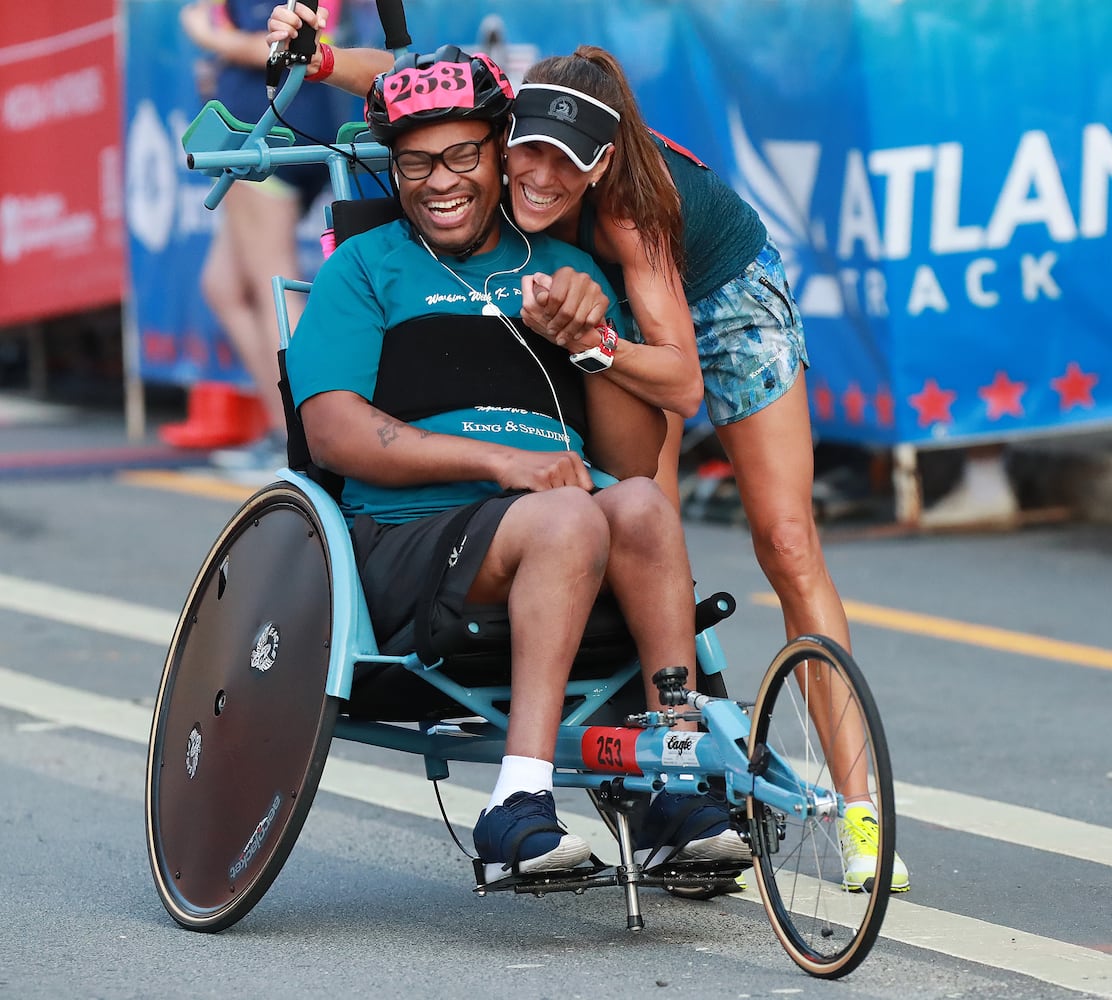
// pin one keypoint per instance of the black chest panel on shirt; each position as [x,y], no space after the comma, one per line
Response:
[436,364]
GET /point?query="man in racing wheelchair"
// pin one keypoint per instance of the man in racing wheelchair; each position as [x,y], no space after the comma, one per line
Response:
[467,446]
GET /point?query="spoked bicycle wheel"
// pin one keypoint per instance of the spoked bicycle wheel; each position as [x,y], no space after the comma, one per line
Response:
[816,729]
[242,724]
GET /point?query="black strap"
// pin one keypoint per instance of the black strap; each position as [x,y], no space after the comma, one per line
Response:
[540,826]
[681,816]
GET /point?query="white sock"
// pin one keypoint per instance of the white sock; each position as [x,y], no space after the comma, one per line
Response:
[521,774]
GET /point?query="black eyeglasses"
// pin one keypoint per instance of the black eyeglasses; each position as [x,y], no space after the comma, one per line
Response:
[462,158]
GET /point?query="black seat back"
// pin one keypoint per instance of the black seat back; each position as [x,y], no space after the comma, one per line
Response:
[358,215]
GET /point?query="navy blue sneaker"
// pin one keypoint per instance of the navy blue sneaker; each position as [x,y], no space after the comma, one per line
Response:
[689,828]
[523,835]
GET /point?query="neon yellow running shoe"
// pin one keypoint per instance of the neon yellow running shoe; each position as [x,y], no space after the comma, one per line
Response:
[858,834]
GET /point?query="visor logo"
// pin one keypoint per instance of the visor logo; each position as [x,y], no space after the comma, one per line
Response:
[564,108]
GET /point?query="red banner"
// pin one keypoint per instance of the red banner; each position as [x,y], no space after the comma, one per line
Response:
[61,187]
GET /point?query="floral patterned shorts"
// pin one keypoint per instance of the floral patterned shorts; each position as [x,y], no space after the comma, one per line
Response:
[750,338]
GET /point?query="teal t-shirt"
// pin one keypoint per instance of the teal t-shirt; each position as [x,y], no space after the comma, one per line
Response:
[384,279]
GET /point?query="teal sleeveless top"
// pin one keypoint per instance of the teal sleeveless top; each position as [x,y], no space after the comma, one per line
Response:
[722,233]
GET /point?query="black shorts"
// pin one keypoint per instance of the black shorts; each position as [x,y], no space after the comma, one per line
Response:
[416,575]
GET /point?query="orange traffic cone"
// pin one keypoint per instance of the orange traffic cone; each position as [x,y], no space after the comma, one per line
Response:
[218,416]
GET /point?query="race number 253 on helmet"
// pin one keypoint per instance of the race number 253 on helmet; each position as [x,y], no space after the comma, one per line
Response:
[448,85]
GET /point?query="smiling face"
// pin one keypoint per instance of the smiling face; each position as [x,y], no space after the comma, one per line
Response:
[547,188]
[452,211]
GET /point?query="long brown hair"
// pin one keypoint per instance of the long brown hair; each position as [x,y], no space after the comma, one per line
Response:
[637,189]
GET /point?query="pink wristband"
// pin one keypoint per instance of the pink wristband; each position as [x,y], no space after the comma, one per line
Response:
[327,64]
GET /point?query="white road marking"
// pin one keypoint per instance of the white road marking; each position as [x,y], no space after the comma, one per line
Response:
[973,940]
[1005,822]
[38,727]
[959,936]
[1066,965]
[91,611]
[1001,821]
[964,813]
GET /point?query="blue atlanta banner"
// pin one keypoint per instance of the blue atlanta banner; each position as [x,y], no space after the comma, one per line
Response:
[935,172]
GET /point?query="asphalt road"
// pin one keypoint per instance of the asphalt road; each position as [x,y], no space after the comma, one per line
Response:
[990,657]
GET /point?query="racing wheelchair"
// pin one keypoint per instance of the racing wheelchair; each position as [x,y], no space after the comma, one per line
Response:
[275,655]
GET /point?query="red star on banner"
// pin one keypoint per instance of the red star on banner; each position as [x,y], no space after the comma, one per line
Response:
[885,407]
[824,402]
[1075,388]
[1003,396]
[196,350]
[932,403]
[855,401]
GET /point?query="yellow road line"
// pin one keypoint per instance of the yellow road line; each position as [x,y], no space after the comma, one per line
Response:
[180,482]
[977,635]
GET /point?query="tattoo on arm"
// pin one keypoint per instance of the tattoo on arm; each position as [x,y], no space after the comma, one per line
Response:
[391,430]
[388,433]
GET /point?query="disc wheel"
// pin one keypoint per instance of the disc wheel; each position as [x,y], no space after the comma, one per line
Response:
[242,724]
[814,704]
